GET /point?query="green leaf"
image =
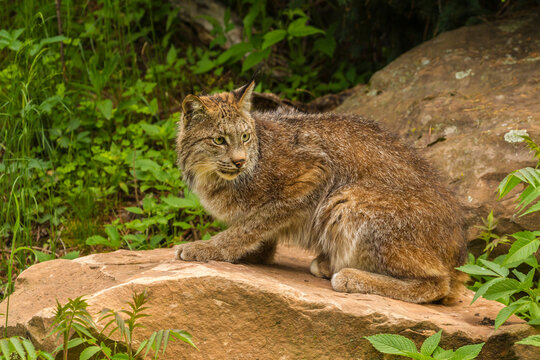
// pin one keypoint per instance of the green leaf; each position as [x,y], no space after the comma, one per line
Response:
[441,354]
[326,45]
[502,288]
[235,51]
[254,58]
[16,343]
[71,255]
[89,352]
[525,245]
[204,65]
[42,257]
[495,267]
[531,340]
[179,203]
[392,344]
[298,28]
[113,234]
[106,108]
[183,336]
[476,270]
[273,37]
[507,184]
[30,350]
[485,287]
[97,240]
[4,347]
[74,342]
[534,208]
[505,313]
[431,343]
[134,210]
[468,352]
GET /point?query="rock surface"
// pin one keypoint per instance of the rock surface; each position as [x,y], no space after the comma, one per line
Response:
[241,311]
[456,97]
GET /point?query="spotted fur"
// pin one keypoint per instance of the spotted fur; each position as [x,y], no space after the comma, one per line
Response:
[380,219]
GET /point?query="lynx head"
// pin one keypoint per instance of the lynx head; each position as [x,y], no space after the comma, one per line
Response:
[216,135]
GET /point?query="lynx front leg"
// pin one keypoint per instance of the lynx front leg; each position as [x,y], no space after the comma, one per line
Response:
[231,245]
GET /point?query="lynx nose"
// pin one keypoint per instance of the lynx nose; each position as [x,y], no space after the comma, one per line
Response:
[239,162]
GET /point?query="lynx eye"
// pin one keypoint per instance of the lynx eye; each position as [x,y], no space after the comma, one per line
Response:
[245,137]
[220,140]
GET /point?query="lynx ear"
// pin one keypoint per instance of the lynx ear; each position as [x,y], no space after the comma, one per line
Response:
[243,96]
[192,106]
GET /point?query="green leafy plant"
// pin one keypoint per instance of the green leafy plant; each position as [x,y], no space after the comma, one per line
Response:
[430,349]
[76,328]
[22,349]
[503,279]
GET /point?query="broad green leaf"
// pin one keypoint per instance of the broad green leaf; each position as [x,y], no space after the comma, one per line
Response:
[179,203]
[183,336]
[16,343]
[392,344]
[298,28]
[97,240]
[326,45]
[203,65]
[441,354]
[476,270]
[482,289]
[71,255]
[273,37]
[106,108]
[431,343]
[4,347]
[507,184]
[235,51]
[74,342]
[505,313]
[254,58]
[134,210]
[525,245]
[30,350]
[113,234]
[89,352]
[495,267]
[528,196]
[41,256]
[502,288]
[529,175]
[531,340]
[468,352]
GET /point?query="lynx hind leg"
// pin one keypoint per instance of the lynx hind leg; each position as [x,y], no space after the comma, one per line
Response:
[263,255]
[411,290]
[320,267]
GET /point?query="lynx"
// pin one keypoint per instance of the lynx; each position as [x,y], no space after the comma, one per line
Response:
[380,220]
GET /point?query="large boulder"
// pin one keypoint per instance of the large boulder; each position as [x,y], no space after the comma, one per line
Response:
[457,97]
[240,311]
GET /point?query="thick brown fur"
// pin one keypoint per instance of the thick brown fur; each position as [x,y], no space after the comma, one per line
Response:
[380,219]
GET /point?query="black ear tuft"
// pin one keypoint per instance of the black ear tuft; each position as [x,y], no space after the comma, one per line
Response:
[243,96]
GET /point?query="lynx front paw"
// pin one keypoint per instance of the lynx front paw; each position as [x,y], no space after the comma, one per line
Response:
[320,267]
[198,251]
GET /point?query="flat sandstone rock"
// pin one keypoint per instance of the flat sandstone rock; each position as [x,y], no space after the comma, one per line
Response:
[242,311]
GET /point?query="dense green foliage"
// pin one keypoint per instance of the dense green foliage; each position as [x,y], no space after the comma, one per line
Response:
[430,349]
[78,332]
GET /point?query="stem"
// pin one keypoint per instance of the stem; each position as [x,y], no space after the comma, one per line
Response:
[11,256]
[59,21]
